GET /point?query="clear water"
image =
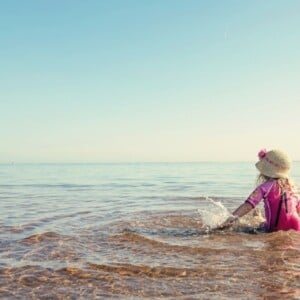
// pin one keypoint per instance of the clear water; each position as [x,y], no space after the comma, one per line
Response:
[134,231]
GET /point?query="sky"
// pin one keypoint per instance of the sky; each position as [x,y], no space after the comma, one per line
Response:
[153,80]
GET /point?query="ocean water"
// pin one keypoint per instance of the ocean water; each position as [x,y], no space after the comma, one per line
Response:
[138,231]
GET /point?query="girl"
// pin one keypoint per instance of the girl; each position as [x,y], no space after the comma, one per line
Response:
[282,204]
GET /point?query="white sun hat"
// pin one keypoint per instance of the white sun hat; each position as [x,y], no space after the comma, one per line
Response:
[274,163]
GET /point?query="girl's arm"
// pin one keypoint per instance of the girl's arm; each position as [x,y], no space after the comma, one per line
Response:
[238,213]
[243,209]
[254,198]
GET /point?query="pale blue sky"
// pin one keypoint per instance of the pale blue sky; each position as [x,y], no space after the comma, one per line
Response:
[152,80]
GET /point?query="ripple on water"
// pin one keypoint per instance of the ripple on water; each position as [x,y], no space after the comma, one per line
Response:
[148,254]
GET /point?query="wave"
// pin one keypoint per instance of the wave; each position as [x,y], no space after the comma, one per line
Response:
[42,185]
[37,223]
[175,232]
[142,241]
[31,275]
[133,281]
[145,271]
[44,237]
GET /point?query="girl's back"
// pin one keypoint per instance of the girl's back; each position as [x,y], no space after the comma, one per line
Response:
[281,209]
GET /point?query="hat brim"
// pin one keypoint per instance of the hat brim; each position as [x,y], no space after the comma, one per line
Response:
[266,169]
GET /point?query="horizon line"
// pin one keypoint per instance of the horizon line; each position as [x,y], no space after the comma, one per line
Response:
[127,162]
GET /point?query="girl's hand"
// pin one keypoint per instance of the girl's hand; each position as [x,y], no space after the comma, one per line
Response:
[229,222]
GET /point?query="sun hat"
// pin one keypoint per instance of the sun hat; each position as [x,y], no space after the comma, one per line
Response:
[274,163]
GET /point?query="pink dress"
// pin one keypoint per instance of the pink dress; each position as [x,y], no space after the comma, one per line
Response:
[281,209]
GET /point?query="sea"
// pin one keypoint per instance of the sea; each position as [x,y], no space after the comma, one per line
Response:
[139,231]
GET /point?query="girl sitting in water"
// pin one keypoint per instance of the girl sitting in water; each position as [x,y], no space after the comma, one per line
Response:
[282,204]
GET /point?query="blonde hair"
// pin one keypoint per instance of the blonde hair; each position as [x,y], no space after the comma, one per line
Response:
[285,184]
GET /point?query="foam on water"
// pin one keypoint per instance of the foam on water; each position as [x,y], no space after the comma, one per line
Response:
[214,213]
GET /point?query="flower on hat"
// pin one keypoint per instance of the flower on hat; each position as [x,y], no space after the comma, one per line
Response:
[262,153]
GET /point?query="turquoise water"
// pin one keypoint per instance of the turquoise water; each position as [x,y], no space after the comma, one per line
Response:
[134,231]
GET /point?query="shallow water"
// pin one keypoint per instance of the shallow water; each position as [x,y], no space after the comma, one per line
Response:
[133,231]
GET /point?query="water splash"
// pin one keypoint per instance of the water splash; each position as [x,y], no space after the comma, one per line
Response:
[214,214]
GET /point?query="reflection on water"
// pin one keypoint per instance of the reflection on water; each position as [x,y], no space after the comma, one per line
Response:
[70,237]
